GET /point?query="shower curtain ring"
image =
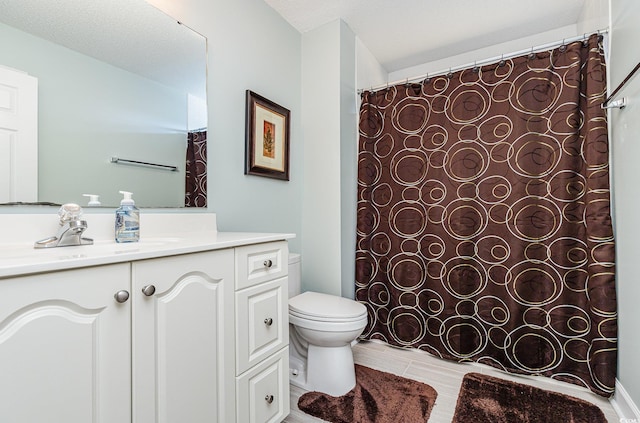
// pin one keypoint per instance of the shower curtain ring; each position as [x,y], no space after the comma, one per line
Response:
[450,74]
[563,47]
[476,69]
[502,62]
[532,55]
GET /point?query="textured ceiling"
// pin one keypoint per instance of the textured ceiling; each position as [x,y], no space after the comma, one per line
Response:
[130,34]
[399,33]
[404,33]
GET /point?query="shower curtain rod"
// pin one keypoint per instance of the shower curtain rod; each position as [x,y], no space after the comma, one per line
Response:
[535,49]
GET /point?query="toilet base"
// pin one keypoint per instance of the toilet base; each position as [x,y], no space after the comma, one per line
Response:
[330,370]
[298,372]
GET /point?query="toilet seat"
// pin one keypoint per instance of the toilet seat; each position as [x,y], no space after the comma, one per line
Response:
[326,313]
[326,308]
[327,319]
[329,326]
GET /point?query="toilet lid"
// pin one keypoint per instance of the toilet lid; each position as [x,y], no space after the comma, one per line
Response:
[319,306]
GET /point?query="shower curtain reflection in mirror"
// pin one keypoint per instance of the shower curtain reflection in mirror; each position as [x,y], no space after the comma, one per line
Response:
[196,169]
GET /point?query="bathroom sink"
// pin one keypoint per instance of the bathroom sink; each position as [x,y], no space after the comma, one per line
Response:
[26,252]
[159,240]
[22,258]
[144,242]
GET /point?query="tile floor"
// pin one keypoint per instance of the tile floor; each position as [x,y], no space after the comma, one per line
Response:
[444,376]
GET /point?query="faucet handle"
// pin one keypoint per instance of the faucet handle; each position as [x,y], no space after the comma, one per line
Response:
[69,212]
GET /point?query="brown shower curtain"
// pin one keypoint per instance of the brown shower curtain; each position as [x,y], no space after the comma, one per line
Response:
[196,170]
[484,230]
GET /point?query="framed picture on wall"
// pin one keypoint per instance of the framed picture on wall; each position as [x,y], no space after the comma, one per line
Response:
[267,138]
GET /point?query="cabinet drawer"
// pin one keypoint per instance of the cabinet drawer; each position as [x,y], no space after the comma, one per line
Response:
[260,263]
[263,392]
[262,322]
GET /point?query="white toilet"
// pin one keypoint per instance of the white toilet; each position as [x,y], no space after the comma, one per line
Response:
[321,330]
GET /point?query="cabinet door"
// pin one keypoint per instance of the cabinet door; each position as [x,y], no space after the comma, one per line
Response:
[65,347]
[183,338]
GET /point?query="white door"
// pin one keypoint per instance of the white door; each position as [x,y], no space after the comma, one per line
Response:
[183,369]
[18,136]
[65,347]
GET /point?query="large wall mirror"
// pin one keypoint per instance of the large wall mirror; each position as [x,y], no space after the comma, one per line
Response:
[121,88]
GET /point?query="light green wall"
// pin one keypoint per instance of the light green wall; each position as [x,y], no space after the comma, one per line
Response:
[329,195]
[348,159]
[321,259]
[625,130]
[250,47]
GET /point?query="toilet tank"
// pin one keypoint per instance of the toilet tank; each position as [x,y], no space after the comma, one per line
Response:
[294,274]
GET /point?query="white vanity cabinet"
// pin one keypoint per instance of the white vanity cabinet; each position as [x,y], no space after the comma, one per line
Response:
[181,346]
[197,337]
[262,333]
[65,347]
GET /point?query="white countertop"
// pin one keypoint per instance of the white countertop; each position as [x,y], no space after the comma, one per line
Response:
[24,259]
[163,235]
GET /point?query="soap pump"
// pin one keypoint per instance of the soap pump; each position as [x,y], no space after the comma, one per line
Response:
[127,220]
[93,200]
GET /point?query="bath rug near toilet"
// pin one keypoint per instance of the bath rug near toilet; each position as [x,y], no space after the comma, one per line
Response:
[486,399]
[378,397]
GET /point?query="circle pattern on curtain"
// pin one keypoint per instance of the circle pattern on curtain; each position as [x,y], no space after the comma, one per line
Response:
[483,223]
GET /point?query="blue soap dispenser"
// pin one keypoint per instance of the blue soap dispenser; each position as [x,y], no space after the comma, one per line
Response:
[127,220]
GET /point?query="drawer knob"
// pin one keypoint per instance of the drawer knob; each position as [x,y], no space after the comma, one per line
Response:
[148,290]
[121,296]
[268,263]
[268,399]
[268,321]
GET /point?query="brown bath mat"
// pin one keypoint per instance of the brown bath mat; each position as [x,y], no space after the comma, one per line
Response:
[489,399]
[378,397]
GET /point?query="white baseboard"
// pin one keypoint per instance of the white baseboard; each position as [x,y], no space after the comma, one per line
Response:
[624,406]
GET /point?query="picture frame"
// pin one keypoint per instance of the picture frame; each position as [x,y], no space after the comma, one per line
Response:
[267,138]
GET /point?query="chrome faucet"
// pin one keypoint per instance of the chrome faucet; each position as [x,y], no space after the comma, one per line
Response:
[71,229]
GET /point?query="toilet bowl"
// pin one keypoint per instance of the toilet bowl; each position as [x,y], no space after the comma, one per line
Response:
[322,328]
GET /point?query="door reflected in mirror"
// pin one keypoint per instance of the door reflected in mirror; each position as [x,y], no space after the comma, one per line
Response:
[116,78]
